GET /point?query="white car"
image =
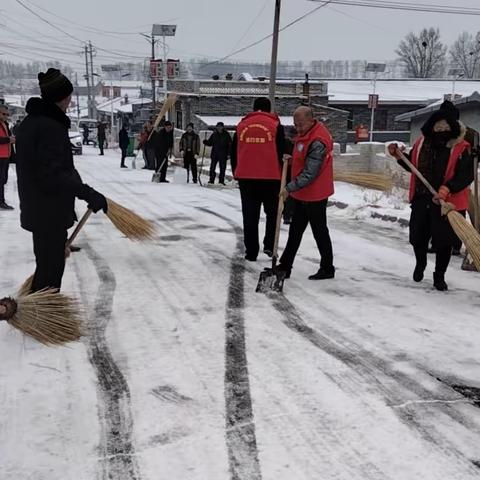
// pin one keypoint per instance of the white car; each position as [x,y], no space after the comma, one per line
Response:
[75,139]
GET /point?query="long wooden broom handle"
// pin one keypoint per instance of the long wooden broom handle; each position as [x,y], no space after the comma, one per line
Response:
[279,212]
[79,226]
[417,172]
[169,101]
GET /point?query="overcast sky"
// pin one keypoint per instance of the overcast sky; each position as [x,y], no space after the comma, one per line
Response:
[214,28]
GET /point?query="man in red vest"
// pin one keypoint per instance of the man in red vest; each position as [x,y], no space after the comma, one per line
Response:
[311,185]
[443,157]
[257,152]
[6,153]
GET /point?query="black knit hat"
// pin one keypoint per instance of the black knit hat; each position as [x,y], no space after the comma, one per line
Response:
[448,112]
[54,86]
[450,109]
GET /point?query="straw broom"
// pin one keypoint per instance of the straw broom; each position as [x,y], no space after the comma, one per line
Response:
[133,226]
[463,229]
[375,181]
[48,316]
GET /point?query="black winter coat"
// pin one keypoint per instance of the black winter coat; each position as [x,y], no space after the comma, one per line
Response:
[221,144]
[47,180]
[163,142]
[123,139]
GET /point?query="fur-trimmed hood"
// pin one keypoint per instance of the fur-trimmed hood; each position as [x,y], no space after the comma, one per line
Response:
[460,138]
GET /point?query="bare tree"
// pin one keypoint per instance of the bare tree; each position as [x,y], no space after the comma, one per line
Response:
[424,54]
[465,54]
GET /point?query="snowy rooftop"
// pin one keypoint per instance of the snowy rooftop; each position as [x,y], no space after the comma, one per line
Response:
[414,91]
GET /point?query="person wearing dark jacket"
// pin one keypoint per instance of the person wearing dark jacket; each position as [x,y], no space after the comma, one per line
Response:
[123,142]
[310,187]
[190,148]
[221,144]
[443,156]
[86,134]
[101,136]
[257,153]
[48,182]
[163,143]
[7,141]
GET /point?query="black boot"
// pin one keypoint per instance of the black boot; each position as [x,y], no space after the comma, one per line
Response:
[323,274]
[439,282]
[418,272]
[421,265]
[284,268]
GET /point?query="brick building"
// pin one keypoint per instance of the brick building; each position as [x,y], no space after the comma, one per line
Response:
[206,102]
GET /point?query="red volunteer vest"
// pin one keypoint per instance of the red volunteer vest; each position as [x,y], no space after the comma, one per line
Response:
[257,156]
[460,199]
[5,149]
[322,187]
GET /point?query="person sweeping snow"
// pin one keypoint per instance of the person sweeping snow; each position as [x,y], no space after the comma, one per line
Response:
[443,156]
[48,182]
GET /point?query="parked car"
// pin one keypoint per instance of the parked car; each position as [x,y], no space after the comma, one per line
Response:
[91,123]
[75,139]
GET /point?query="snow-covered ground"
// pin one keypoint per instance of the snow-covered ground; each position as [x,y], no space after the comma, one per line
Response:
[188,374]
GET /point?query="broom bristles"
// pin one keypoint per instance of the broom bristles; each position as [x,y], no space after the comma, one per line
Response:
[375,181]
[466,232]
[133,226]
[48,316]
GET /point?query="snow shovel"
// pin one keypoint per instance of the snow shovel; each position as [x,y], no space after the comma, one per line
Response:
[272,279]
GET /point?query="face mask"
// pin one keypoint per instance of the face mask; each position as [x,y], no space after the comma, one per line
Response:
[441,138]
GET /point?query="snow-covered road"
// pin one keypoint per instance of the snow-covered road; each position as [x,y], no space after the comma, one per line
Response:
[188,374]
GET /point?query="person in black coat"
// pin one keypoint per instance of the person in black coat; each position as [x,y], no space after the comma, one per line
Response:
[124,142]
[163,144]
[48,182]
[221,144]
[441,134]
[86,133]
[190,149]
[101,136]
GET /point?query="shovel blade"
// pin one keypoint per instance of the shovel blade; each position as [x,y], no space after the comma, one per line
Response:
[271,280]
[156,177]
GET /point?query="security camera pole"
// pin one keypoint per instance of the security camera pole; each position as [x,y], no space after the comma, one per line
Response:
[273,65]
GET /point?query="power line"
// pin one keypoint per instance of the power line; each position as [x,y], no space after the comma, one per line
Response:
[403,6]
[254,21]
[48,22]
[254,44]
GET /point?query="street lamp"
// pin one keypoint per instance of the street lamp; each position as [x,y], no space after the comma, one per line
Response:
[456,73]
[375,68]
[164,31]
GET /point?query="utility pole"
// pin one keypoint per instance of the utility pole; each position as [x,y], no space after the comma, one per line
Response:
[154,99]
[94,109]
[87,77]
[78,101]
[273,65]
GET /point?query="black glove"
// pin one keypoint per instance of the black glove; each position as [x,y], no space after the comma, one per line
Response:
[96,201]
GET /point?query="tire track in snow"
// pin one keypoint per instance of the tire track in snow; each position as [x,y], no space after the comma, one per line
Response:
[117,451]
[378,372]
[240,426]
